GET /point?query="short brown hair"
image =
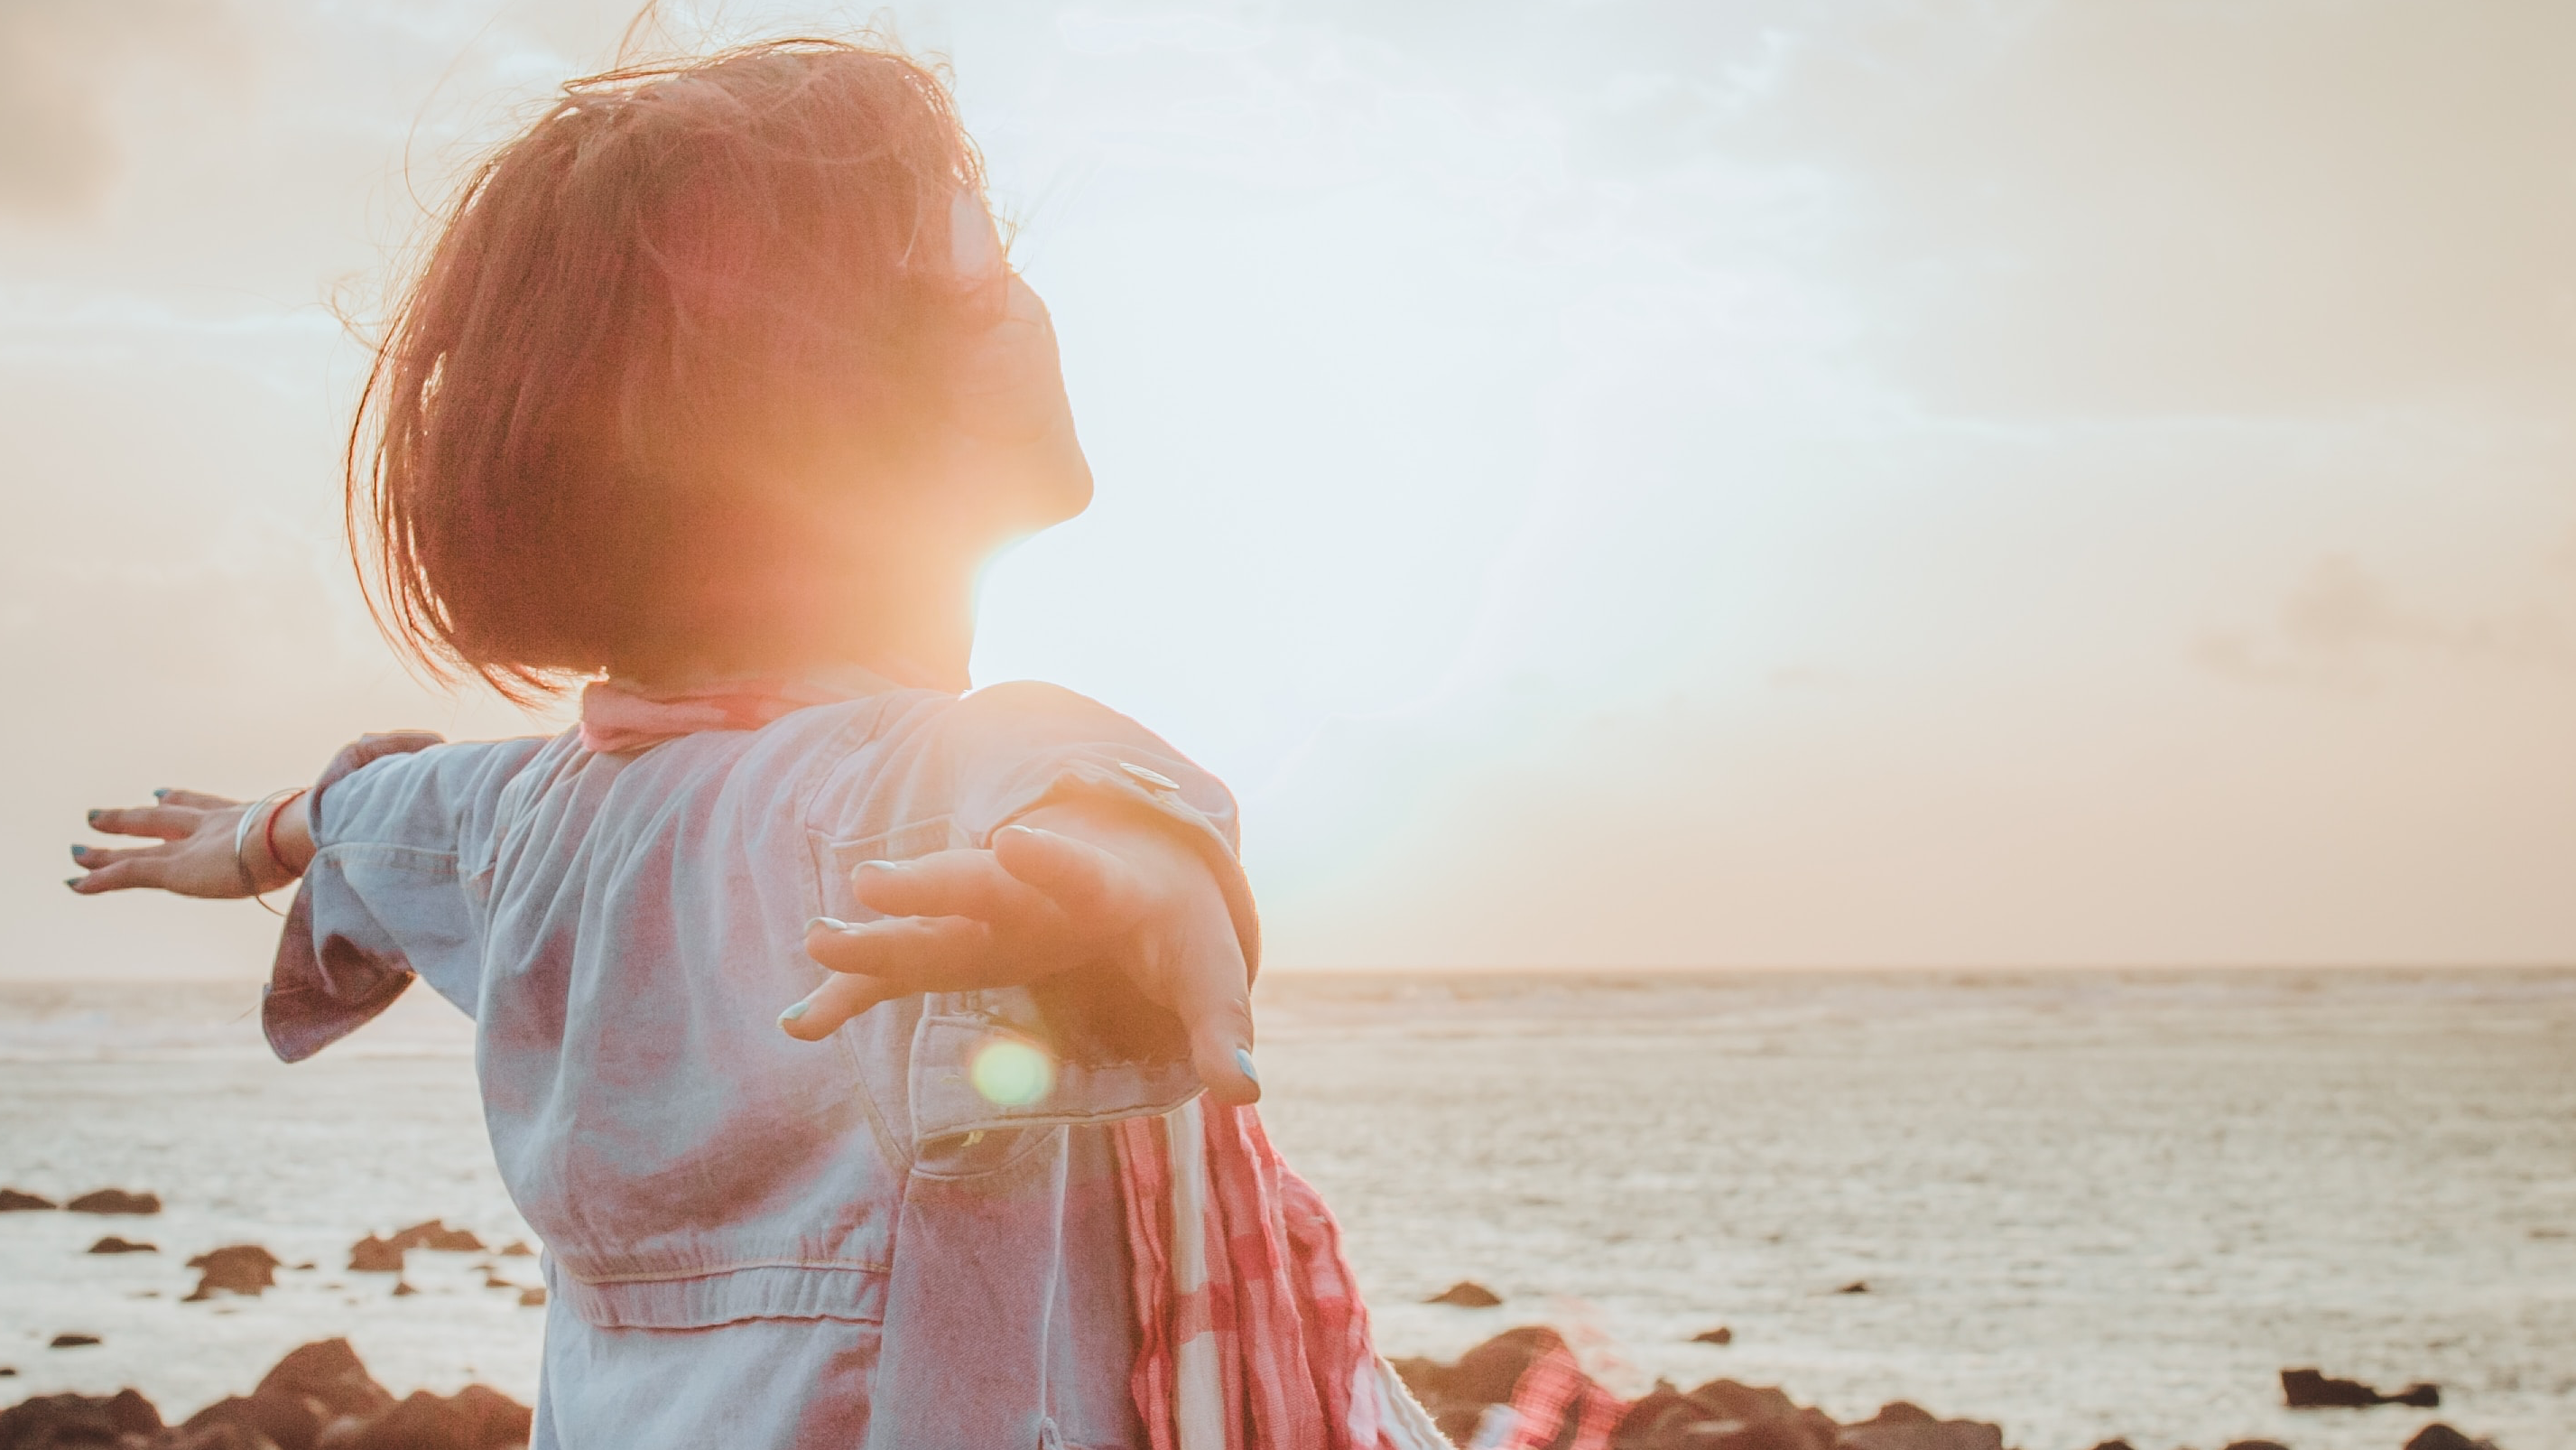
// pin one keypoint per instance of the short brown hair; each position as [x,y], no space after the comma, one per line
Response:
[665,281]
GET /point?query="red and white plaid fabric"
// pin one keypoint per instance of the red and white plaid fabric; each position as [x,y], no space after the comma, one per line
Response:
[1553,1392]
[1252,1335]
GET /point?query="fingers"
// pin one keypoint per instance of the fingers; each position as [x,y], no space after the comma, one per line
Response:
[195,800]
[167,822]
[948,883]
[878,961]
[118,870]
[1097,891]
[923,954]
[1213,997]
[830,1005]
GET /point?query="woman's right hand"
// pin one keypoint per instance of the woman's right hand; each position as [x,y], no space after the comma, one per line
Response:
[195,856]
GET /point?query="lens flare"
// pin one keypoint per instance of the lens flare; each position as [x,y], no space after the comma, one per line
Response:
[1012,1074]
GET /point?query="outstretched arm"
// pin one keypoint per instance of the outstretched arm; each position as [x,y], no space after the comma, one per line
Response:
[209,846]
[1069,886]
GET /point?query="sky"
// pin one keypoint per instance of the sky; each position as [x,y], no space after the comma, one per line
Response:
[1609,483]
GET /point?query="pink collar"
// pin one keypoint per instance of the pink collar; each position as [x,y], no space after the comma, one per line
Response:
[621,716]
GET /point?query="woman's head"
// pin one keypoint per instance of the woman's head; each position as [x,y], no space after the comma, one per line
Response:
[697,355]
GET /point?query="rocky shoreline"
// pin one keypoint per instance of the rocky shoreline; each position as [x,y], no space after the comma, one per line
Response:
[1478,1401]
[321,1397]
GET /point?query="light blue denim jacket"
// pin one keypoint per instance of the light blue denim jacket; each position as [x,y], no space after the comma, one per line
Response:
[753,1241]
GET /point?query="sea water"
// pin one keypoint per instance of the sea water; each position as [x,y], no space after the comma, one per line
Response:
[2083,1204]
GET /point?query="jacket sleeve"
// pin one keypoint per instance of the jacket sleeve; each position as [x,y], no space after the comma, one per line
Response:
[402,827]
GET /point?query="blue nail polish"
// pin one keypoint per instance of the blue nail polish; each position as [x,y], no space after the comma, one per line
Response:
[79,851]
[161,794]
[792,1013]
[1243,1064]
[73,882]
[94,815]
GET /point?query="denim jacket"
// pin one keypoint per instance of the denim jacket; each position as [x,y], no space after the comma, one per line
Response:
[753,1241]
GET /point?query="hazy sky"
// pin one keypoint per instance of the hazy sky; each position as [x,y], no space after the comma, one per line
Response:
[1621,483]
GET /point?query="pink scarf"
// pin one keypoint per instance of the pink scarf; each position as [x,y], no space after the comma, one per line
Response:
[1250,1329]
[622,716]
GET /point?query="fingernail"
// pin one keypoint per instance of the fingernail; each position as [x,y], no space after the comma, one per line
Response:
[792,1013]
[1243,1064]
[73,882]
[163,793]
[94,815]
[829,923]
[78,852]
[880,866]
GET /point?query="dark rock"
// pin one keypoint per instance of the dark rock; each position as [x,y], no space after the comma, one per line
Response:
[1810,1431]
[372,1255]
[72,1341]
[114,1245]
[1720,1335]
[289,1421]
[435,1234]
[518,1250]
[1901,1426]
[2307,1389]
[1456,1394]
[2419,1396]
[329,1371]
[235,1269]
[1722,1415]
[115,1200]
[133,1414]
[474,1418]
[1486,1373]
[2115,1445]
[1856,1286]
[1466,1294]
[532,1298]
[14,1200]
[1419,1374]
[8,1371]
[222,1435]
[493,1417]
[46,1422]
[2256,1445]
[1659,1418]
[2438,1436]
[403,1289]
[1748,1404]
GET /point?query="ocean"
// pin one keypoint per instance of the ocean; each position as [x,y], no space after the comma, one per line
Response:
[2084,1204]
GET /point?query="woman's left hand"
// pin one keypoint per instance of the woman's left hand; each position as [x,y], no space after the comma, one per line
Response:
[196,856]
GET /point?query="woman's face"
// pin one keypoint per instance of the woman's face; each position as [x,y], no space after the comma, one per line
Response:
[1010,448]
[1010,444]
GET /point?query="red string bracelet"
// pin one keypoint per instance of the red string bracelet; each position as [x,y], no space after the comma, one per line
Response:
[268,832]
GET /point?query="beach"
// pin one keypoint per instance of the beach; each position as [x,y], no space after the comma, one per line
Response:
[2083,1204]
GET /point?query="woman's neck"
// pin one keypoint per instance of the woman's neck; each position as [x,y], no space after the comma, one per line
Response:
[916,629]
[912,630]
